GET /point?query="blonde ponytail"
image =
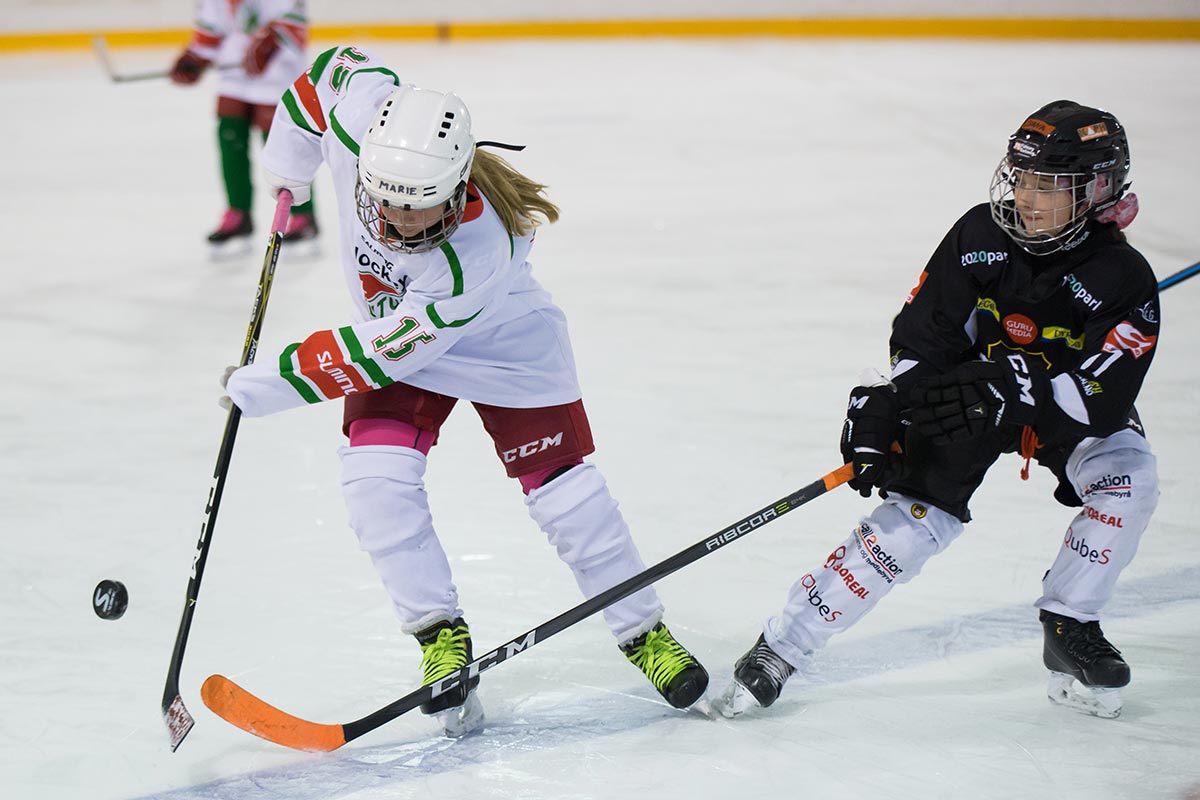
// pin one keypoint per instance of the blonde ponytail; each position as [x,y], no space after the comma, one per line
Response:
[517,199]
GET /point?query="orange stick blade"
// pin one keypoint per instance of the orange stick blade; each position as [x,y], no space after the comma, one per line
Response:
[238,707]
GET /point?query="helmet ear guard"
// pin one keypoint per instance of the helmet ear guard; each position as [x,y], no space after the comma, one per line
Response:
[1080,149]
[416,155]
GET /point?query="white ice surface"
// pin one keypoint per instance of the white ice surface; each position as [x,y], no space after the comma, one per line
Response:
[741,220]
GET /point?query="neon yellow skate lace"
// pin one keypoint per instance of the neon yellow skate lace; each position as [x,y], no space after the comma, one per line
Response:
[660,657]
[444,655]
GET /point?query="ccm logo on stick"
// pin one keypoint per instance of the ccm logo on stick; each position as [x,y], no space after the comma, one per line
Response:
[480,664]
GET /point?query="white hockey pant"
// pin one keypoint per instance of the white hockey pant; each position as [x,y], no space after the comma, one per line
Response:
[581,519]
[889,547]
[385,498]
[1117,479]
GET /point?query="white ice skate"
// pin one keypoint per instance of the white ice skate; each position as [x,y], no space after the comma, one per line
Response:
[1064,690]
[461,720]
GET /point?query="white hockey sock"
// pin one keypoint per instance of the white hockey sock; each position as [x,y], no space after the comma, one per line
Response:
[889,547]
[1117,479]
[581,519]
[385,498]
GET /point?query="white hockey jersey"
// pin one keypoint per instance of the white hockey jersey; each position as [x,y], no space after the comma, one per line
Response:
[223,29]
[466,320]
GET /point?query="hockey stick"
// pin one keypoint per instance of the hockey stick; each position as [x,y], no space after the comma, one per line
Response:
[239,707]
[101,48]
[1179,277]
[175,713]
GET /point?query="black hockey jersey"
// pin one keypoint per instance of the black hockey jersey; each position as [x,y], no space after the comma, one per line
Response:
[1089,314]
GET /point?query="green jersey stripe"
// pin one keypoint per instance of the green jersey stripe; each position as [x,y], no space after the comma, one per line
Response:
[288,370]
[318,67]
[455,268]
[384,70]
[295,112]
[355,349]
[344,137]
[440,323]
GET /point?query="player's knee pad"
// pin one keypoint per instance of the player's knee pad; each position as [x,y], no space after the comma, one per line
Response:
[579,516]
[900,535]
[384,490]
[889,547]
[1117,479]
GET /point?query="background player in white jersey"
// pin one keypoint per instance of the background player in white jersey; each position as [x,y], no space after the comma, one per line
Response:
[1031,329]
[435,240]
[265,39]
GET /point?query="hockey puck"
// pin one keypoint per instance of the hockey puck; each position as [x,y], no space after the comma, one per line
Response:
[110,599]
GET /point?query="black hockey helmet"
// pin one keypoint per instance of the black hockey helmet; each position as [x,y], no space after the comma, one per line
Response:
[1061,146]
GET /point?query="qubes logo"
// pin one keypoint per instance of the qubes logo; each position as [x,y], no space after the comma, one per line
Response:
[816,600]
[1081,547]
[1127,337]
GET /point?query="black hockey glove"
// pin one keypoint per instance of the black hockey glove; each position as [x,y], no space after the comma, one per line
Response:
[872,425]
[978,397]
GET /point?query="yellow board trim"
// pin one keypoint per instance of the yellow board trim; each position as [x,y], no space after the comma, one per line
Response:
[871,27]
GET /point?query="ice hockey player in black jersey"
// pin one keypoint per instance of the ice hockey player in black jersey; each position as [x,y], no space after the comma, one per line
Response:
[1030,330]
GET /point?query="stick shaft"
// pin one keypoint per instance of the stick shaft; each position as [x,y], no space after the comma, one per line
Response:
[175,714]
[1179,277]
[241,708]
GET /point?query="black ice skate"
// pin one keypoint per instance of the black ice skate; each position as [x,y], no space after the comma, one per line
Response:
[1086,671]
[445,649]
[232,236]
[758,678]
[675,672]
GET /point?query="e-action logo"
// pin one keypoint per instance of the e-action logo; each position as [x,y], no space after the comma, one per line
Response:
[1114,485]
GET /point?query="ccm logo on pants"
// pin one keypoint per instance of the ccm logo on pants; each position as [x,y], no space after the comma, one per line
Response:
[530,448]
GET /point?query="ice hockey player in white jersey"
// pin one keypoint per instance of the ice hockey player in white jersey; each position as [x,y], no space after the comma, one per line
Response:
[435,240]
[263,41]
[1030,330]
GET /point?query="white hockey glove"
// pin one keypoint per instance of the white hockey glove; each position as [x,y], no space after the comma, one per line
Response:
[226,402]
[301,190]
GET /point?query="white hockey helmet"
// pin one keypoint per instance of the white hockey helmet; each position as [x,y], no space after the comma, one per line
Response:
[416,156]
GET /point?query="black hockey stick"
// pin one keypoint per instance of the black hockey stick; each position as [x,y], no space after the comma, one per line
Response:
[239,707]
[175,713]
[101,48]
[1179,277]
